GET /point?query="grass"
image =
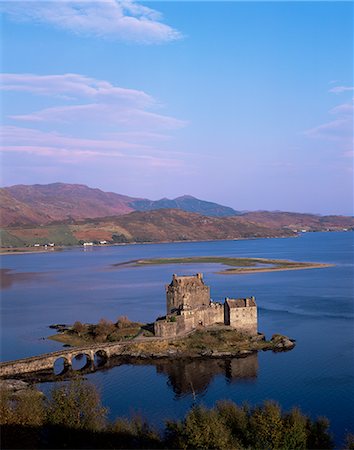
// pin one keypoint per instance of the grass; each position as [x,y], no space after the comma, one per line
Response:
[238,265]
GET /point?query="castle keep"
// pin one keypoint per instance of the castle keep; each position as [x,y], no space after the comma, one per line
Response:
[189,306]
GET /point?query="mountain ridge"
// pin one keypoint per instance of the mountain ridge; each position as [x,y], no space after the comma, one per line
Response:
[45,203]
[69,214]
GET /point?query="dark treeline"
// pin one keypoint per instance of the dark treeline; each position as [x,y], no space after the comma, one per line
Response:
[73,417]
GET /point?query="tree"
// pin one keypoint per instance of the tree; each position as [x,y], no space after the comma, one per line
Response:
[295,435]
[201,429]
[267,426]
[76,405]
[79,327]
[318,434]
[25,408]
[236,418]
[103,329]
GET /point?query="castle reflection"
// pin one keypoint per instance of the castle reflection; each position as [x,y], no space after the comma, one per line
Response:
[194,376]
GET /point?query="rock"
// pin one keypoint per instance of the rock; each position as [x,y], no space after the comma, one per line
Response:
[13,385]
[282,343]
[59,326]
[206,352]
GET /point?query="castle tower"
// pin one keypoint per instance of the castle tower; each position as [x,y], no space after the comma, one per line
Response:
[186,292]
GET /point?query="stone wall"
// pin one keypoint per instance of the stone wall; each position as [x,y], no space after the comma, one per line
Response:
[186,292]
[189,319]
[165,329]
[241,314]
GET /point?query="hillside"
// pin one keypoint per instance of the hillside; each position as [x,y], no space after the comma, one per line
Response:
[15,212]
[298,221]
[152,226]
[60,201]
[69,213]
[43,204]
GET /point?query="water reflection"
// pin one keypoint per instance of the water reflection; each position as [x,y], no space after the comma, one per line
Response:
[188,377]
[9,277]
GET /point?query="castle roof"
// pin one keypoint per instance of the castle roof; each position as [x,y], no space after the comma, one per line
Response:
[240,302]
[187,280]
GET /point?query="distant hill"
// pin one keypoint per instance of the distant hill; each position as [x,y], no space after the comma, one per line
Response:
[68,213]
[298,221]
[163,225]
[185,203]
[61,201]
[42,204]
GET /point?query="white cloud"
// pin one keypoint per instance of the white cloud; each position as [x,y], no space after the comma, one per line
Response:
[340,89]
[122,20]
[340,129]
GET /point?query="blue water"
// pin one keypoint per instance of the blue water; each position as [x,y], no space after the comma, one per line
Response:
[315,307]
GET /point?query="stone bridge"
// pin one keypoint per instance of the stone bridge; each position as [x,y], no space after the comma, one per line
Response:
[46,361]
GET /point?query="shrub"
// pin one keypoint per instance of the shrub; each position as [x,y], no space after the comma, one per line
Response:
[76,405]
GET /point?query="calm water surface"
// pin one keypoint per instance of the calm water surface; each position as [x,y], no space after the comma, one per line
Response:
[315,307]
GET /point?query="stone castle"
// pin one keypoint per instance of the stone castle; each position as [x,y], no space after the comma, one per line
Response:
[189,306]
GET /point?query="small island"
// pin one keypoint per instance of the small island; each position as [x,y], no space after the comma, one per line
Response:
[237,265]
[194,326]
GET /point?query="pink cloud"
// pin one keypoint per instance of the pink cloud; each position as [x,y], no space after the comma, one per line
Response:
[113,19]
[100,102]
[103,114]
[73,86]
[71,149]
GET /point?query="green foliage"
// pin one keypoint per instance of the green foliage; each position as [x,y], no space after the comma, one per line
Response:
[9,240]
[295,433]
[73,417]
[119,239]
[137,433]
[267,426]
[76,405]
[201,429]
[236,418]
[24,409]
[318,434]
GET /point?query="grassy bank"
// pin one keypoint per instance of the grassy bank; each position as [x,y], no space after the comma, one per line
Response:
[138,340]
[238,265]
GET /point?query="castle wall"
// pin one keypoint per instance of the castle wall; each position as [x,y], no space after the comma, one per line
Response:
[188,320]
[244,319]
[186,292]
[165,329]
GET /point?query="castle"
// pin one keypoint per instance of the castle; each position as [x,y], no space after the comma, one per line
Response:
[189,306]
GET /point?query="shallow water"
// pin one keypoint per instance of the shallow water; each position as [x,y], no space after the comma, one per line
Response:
[315,307]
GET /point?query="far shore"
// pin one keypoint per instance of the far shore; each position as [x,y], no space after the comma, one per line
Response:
[26,250]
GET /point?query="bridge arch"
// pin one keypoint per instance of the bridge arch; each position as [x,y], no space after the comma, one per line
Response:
[100,358]
[61,365]
[81,361]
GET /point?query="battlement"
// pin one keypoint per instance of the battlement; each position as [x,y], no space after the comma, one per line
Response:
[241,302]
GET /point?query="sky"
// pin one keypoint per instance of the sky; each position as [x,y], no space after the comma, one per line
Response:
[248,104]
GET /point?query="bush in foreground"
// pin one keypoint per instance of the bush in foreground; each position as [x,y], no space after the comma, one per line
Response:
[73,417]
